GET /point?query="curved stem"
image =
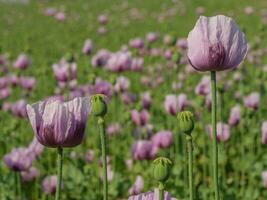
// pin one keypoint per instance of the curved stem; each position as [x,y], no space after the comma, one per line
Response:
[190,166]
[59,172]
[101,124]
[214,135]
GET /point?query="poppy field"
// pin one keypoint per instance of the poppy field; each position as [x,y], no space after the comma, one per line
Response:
[137,100]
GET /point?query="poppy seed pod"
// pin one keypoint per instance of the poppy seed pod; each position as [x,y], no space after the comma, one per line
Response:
[186,121]
[161,169]
[99,106]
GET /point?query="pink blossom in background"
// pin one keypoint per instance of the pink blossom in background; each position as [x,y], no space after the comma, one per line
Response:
[119,61]
[137,43]
[49,185]
[101,58]
[223,132]
[140,118]
[203,87]
[30,175]
[235,116]
[22,62]
[162,139]
[252,100]
[89,156]
[264,178]
[87,47]
[122,84]
[264,132]
[5,93]
[103,19]
[152,37]
[137,186]
[60,16]
[113,129]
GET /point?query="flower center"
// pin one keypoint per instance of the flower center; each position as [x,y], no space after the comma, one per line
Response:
[216,54]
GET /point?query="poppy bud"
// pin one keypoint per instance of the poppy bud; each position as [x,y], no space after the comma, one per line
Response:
[186,121]
[99,106]
[161,169]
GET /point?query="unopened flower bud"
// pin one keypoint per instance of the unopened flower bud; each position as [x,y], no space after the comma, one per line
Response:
[161,169]
[99,106]
[186,121]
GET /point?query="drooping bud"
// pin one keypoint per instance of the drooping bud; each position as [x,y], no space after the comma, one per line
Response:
[161,169]
[99,106]
[186,122]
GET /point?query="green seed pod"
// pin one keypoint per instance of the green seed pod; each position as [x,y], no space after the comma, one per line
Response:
[186,122]
[99,106]
[161,169]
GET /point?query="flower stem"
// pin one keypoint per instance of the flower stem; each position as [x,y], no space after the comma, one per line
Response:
[59,172]
[214,135]
[18,181]
[190,166]
[161,191]
[101,124]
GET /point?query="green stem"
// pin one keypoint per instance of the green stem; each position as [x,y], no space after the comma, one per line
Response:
[214,135]
[59,172]
[161,191]
[101,124]
[190,166]
[18,181]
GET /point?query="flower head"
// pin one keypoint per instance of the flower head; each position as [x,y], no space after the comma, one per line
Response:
[215,44]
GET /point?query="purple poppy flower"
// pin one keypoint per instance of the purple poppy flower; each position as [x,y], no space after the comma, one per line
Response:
[4,82]
[140,118]
[65,71]
[5,93]
[152,37]
[162,139]
[89,156]
[203,87]
[122,84]
[103,19]
[264,132]
[60,16]
[19,159]
[88,47]
[103,87]
[50,11]
[215,44]
[19,108]
[36,148]
[173,104]
[119,62]
[137,64]
[144,150]
[22,62]
[58,124]
[235,116]
[49,185]
[30,175]
[113,129]
[151,196]
[223,132]
[13,79]
[128,97]
[101,58]
[137,43]
[264,178]
[182,43]
[137,186]
[27,83]
[146,100]
[252,100]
